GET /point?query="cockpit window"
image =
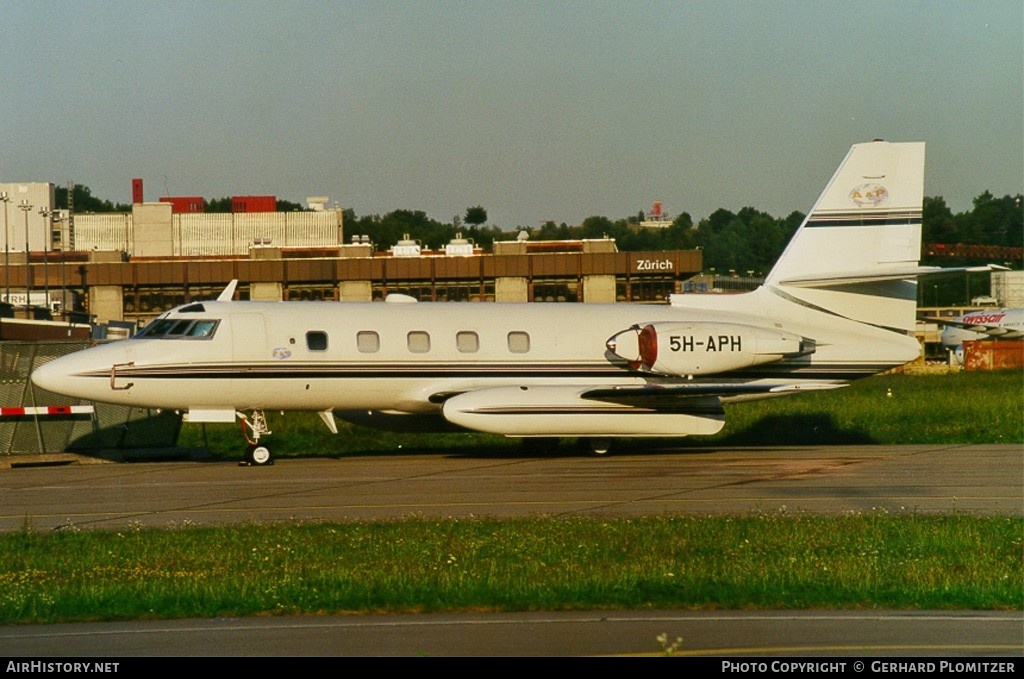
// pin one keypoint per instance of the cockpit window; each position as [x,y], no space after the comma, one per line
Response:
[157,328]
[192,308]
[202,329]
[177,328]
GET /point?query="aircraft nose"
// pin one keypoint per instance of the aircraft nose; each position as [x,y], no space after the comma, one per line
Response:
[81,374]
[52,376]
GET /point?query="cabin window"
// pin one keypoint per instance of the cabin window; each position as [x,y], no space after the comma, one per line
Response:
[368,342]
[316,340]
[467,342]
[419,342]
[518,342]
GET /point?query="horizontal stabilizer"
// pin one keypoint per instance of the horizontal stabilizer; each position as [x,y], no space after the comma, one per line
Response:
[896,273]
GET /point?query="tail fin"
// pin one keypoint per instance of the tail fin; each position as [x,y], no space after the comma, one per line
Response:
[857,251]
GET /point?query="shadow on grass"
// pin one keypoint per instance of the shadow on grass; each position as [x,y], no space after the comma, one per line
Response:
[776,430]
[773,430]
[131,434]
[791,430]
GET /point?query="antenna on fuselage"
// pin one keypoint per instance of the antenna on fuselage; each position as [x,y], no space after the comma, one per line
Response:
[228,292]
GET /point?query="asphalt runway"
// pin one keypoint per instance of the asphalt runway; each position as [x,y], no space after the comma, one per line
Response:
[701,634]
[982,479]
[924,479]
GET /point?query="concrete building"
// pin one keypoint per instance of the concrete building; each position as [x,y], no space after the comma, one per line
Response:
[120,288]
[132,266]
[156,230]
[27,216]
[1008,288]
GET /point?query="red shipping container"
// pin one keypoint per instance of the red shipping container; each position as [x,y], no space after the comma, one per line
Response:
[254,204]
[181,204]
[993,354]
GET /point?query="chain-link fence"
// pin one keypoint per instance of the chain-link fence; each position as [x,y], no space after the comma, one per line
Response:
[109,429]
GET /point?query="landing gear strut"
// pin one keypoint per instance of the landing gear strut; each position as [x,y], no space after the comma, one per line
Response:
[256,454]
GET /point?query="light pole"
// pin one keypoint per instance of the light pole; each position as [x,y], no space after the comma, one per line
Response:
[24,206]
[59,221]
[47,236]
[5,199]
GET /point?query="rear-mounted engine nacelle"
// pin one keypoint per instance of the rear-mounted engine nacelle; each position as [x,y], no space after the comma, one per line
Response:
[704,348]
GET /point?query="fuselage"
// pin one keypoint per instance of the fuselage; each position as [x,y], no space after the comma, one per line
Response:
[992,324]
[409,357]
[838,305]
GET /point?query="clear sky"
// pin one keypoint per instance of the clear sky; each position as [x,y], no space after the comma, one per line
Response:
[534,109]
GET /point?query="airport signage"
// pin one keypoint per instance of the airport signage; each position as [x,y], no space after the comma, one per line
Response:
[656,263]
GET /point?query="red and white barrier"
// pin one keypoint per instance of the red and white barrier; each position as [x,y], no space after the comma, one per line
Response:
[46,410]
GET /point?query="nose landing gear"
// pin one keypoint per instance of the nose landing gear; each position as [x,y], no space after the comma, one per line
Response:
[256,454]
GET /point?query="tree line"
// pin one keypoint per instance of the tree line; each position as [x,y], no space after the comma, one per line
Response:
[749,240]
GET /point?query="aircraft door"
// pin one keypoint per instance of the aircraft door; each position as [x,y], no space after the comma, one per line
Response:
[248,347]
[248,337]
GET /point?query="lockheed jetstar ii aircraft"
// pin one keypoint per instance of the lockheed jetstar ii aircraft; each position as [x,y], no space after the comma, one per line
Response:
[839,305]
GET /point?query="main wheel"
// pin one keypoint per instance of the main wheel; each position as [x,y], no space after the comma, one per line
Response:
[258,455]
[598,446]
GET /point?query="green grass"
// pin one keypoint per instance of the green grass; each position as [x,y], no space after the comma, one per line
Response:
[903,561]
[760,561]
[955,408]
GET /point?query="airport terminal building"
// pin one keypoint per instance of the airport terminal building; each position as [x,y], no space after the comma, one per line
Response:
[131,266]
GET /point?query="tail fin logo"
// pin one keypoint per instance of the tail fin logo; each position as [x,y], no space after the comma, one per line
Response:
[870,195]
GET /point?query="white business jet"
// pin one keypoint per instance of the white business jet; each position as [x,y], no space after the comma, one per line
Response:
[839,305]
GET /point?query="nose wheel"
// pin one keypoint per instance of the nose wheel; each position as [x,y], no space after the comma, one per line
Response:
[256,454]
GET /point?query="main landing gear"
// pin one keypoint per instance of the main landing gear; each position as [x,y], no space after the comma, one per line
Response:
[256,454]
[596,446]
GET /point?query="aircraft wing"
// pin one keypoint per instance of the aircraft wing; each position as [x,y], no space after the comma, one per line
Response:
[641,410]
[667,396]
